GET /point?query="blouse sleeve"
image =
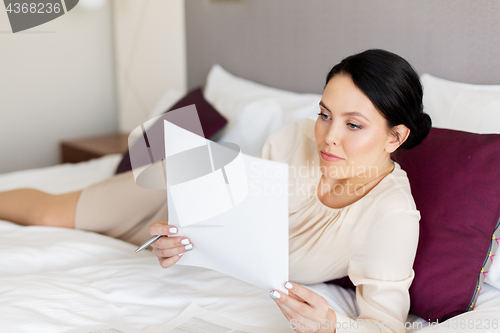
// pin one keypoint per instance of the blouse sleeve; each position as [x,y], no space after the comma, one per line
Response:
[382,271]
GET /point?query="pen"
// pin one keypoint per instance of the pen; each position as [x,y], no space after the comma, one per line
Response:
[149,242]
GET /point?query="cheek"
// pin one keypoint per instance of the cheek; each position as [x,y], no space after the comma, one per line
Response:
[363,145]
[319,132]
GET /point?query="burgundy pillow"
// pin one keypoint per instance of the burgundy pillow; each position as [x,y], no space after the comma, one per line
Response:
[211,121]
[455,182]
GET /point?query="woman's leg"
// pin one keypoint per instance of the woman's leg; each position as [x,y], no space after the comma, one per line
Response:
[118,208]
[33,207]
[115,207]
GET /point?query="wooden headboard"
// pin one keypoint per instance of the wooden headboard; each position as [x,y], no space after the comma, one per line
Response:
[292,44]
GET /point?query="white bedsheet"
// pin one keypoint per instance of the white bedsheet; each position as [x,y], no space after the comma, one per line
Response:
[55,279]
[62,178]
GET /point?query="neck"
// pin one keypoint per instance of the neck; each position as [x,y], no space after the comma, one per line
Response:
[363,183]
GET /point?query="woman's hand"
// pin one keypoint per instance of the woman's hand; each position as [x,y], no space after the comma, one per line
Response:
[168,249]
[305,310]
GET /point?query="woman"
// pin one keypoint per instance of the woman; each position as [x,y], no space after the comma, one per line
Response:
[351,211]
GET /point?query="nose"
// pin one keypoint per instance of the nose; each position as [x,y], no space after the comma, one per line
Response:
[333,136]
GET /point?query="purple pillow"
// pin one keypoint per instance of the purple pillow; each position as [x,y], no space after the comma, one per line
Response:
[455,182]
[211,121]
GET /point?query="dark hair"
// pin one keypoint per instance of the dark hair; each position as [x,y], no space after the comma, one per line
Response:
[393,86]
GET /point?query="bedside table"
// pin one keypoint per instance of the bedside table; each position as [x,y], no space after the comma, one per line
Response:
[79,150]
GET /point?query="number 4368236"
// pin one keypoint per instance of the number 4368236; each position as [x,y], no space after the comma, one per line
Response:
[38,8]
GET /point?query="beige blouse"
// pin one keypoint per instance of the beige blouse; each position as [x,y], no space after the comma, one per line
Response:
[373,240]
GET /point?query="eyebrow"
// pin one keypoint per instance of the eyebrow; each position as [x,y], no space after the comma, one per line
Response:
[352,113]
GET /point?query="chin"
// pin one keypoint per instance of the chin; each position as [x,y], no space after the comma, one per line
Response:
[333,171]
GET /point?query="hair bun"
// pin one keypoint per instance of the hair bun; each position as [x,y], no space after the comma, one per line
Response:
[424,119]
[423,127]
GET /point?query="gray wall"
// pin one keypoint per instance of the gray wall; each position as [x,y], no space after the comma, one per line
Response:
[291,44]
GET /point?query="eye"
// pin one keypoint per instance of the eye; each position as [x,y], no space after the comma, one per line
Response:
[354,127]
[324,116]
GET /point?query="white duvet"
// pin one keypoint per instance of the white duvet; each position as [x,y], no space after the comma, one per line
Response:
[55,279]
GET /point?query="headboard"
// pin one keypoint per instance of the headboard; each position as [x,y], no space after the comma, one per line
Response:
[292,44]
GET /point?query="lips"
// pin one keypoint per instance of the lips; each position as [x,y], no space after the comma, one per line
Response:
[330,154]
[330,157]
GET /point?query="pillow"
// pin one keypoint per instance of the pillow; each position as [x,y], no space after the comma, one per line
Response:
[254,124]
[231,94]
[455,181]
[211,121]
[462,106]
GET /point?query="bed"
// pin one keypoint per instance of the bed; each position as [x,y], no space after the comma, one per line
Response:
[54,279]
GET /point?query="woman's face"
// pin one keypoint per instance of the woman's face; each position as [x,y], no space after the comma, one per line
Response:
[351,128]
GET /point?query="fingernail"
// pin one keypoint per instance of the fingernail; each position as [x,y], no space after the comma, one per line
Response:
[288,285]
[274,294]
[172,230]
[180,254]
[185,241]
[188,247]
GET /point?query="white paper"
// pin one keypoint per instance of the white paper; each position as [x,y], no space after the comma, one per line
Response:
[238,181]
[197,176]
[233,208]
[195,319]
[201,198]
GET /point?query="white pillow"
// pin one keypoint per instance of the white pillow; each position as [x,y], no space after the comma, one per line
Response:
[462,106]
[230,94]
[253,125]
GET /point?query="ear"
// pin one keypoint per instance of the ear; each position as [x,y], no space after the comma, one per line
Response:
[398,135]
